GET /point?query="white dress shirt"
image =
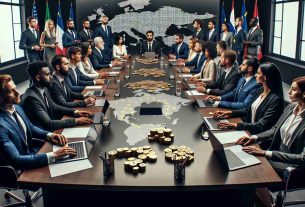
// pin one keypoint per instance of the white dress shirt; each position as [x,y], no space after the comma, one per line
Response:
[117,52]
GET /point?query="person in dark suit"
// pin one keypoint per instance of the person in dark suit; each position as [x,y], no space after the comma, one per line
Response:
[220,47]
[180,50]
[212,34]
[60,92]
[75,79]
[70,38]
[39,106]
[29,41]
[16,133]
[199,32]
[227,80]
[104,31]
[150,45]
[254,38]
[246,90]
[267,107]
[239,38]
[86,34]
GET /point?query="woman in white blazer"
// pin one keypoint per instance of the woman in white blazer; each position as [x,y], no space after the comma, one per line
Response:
[119,48]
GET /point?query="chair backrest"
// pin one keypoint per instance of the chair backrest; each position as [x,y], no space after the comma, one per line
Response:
[8,178]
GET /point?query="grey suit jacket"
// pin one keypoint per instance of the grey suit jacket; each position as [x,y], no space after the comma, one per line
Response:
[228,40]
[296,146]
[255,40]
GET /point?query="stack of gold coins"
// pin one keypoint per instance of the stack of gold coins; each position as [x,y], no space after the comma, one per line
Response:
[120,152]
[174,153]
[112,154]
[162,135]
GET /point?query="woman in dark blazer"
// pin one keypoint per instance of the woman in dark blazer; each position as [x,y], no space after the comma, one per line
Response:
[267,106]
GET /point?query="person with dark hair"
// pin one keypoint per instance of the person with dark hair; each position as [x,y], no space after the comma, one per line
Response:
[86,34]
[150,45]
[254,38]
[60,92]
[179,50]
[267,107]
[212,34]
[104,31]
[220,47]
[119,48]
[239,38]
[208,70]
[16,133]
[199,32]
[70,38]
[40,107]
[29,41]
[226,35]
[246,90]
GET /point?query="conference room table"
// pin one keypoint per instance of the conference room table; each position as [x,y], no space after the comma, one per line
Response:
[206,182]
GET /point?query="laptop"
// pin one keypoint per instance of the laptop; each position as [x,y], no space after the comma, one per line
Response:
[98,93]
[150,55]
[192,86]
[232,157]
[204,103]
[98,116]
[212,123]
[172,62]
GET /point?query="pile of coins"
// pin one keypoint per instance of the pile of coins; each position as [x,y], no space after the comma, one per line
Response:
[148,61]
[162,135]
[175,154]
[155,72]
[149,85]
[136,157]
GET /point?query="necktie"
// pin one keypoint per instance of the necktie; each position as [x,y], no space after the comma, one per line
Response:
[178,49]
[64,87]
[198,60]
[88,34]
[20,126]
[46,100]
[240,88]
[72,33]
[106,30]
[149,47]
[34,33]
[250,32]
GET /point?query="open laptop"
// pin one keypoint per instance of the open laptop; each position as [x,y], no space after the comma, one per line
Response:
[150,55]
[232,157]
[212,123]
[172,62]
[204,103]
[99,93]
[97,118]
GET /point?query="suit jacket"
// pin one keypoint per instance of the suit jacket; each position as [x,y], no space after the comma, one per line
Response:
[79,84]
[28,40]
[267,114]
[296,147]
[83,36]
[107,37]
[68,40]
[13,147]
[63,98]
[198,64]
[43,116]
[201,35]
[238,40]
[224,85]
[228,40]
[99,60]
[156,47]
[183,51]
[255,40]
[214,36]
[240,97]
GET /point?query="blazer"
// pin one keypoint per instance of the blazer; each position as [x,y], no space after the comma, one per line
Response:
[296,147]
[238,40]
[208,72]
[28,40]
[13,147]
[255,40]
[117,53]
[107,37]
[48,118]
[61,98]
[197,63]
[214,36]
[183,51]
[83,36]
[79,84]
[87,69]
[98,60]
[240,98]
[201,35]
[267,114]
[228,40]
[224,84]
[156,47]
[68,40]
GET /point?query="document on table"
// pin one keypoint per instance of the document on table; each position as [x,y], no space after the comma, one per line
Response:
[100,102]
[194,93]
[77,132]
[58,169]
[230,136]
[186,75]
[93,87]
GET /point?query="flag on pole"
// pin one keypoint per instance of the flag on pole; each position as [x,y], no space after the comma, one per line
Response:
[48,15]
[232,19]
[259,48]
[223,17]
[244,16]
[35,14]
[59,32]
[71,14]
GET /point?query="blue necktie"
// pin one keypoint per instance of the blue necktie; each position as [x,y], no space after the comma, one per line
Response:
[240,88]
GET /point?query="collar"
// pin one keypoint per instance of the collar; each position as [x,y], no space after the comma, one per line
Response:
[198,30]
[254,28]
[32,29]
[227,70]
[212,30]
[249,78]
[301,113]
[238,29]
[9,111]
[180,44]
[150,42]
[41,91]
[59,78]
[70,31]
[86,30]
[72,66]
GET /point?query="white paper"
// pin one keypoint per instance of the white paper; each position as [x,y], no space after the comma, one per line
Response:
[194,93]
[58,169]
[99,102]
[77,132]
[186,75]
[94,87]
[230,136]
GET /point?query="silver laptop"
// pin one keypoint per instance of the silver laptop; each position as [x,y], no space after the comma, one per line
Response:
[212,123]
[97,118]
[150,55]
[232,157]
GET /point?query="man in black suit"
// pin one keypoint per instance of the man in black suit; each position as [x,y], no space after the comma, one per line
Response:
[239,38]
[227,80]
[254,38]
[180,49]
[60,91]
[104,31]
[199,32]
[39,106]
[29,41]
[86,35]
[150,45]
[70,38]
[212,34]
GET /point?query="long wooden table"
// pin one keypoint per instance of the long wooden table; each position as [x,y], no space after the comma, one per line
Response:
[206,179]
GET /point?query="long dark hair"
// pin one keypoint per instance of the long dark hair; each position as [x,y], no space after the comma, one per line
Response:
[210,46]
[117,39]
[273,78]
[85,47]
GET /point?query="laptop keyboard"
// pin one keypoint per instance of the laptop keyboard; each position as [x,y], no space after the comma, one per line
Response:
[233,160]
[214,122]
[78,146]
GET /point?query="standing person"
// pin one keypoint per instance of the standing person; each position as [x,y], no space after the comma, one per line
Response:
[199,32]
[86,34]
[212,34]
[48,41]
[226,35]
[29,41]
[239,38]
[254,38]
[119,48]
[70,38]
[104,31]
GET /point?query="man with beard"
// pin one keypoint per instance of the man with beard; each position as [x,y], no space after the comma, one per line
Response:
[39,106]
[104,31]
[16,133]
[199,32]
[150,45]
[254,38]
[212,34]
[246,90]
[70,38]
[86,35]
[239,38]
[60,91]
[180,50]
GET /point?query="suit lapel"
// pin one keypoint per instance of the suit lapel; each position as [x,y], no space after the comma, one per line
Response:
[15,126]
[296,132]
[41,98]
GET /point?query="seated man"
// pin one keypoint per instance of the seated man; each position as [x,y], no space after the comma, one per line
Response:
[227,80]
[39,106]
[60,91]
[246,90]
[75,79]
[16,133]
[180,50]
[150,45]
